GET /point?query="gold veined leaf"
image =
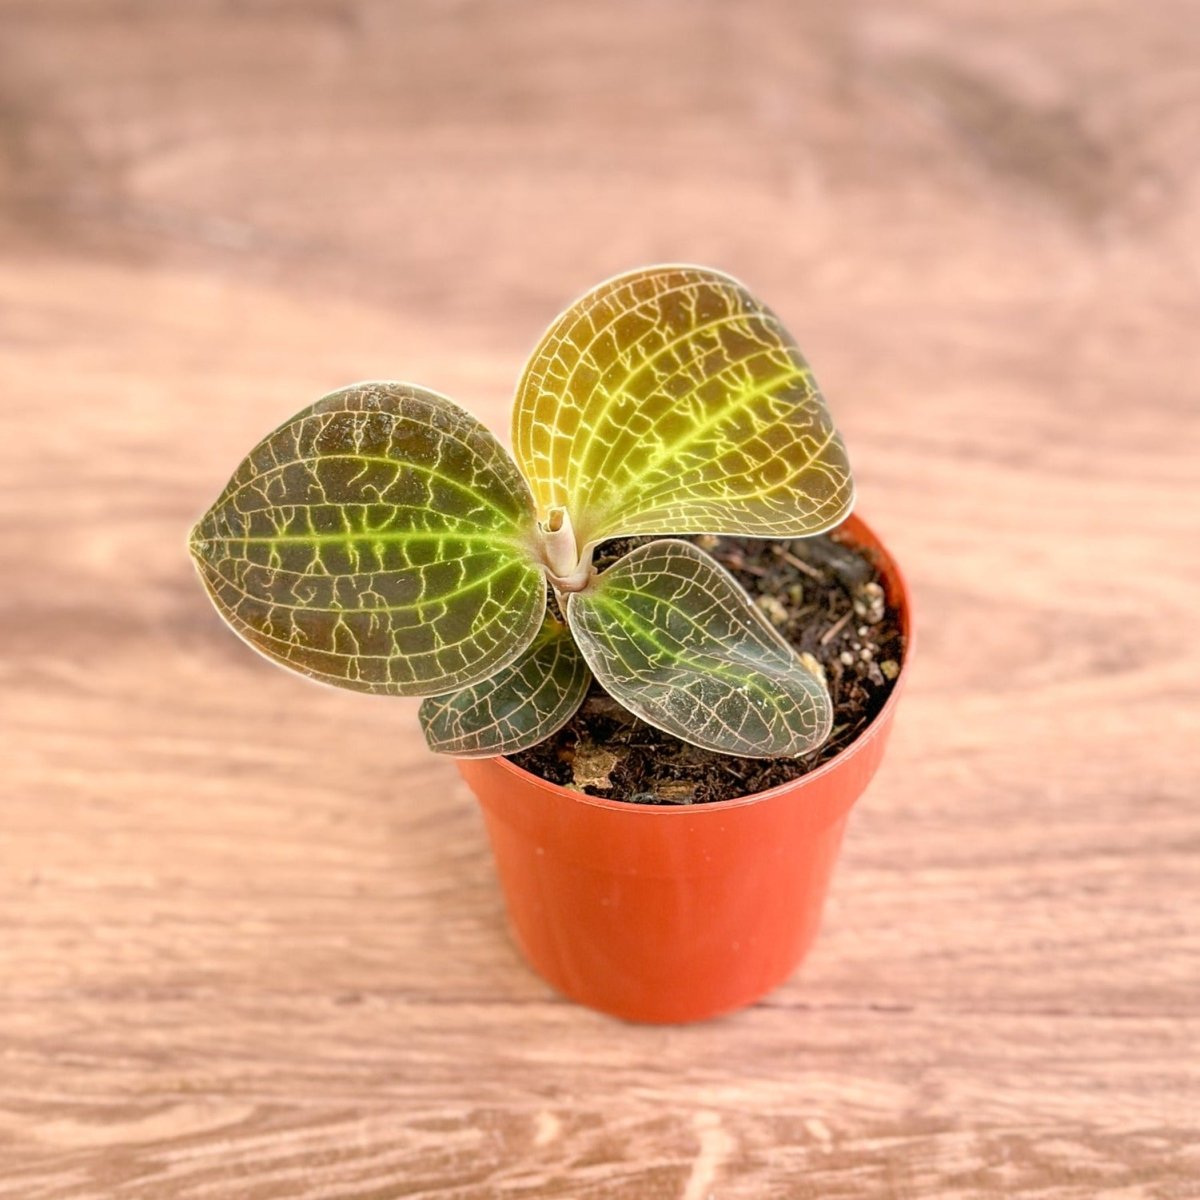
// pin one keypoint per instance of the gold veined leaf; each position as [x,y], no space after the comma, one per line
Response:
[379,541]
[517,707]
[670,634]
[669,400]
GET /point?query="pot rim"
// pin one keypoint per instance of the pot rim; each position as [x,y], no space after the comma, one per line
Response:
[667,811]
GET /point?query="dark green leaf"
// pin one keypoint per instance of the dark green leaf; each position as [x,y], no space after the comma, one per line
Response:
[379,540]
[672,636]
[516,708]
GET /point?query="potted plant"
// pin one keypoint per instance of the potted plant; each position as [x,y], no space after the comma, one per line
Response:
[383,540]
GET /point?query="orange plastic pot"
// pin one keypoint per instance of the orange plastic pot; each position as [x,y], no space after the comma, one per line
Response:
[677,913]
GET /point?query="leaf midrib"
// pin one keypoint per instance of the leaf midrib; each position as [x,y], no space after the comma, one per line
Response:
[720,670]
[438,598]
[386,537]
[605,512]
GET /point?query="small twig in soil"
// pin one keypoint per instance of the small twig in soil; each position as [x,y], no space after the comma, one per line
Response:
[801,566]
[836,628]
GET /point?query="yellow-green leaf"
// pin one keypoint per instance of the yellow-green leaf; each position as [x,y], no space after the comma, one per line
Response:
[517,707]
[380,541]
[672,636]
[670,400]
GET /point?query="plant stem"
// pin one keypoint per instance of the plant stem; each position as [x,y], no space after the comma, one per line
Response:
[568,570]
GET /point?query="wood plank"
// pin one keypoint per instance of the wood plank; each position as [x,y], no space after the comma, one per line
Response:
[250,941]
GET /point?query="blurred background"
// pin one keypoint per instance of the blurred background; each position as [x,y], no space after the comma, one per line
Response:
[214,212]
[982,223]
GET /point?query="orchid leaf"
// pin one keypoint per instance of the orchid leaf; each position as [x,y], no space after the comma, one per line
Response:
[669,400]
[670,634]
[380,541]
[516,708]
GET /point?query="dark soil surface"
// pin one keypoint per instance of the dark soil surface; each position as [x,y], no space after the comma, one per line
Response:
[826,598]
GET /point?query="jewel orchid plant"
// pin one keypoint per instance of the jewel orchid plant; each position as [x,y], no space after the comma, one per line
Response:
[383,540]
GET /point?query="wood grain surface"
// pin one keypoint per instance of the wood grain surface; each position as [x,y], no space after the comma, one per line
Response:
[250,941]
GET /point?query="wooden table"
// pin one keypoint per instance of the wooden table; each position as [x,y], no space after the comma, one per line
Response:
[250,941]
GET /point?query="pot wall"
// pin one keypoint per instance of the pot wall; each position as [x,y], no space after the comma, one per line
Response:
[676,913]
